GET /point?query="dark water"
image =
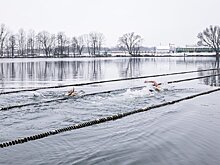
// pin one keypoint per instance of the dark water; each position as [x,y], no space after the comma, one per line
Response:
[184,133]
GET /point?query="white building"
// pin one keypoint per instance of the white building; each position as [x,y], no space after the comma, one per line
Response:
[165,49]
[162,49]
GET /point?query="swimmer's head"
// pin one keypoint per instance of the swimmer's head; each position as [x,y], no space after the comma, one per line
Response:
[71,91]
[153,82]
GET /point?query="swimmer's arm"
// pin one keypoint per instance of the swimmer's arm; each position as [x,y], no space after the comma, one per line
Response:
[73,94]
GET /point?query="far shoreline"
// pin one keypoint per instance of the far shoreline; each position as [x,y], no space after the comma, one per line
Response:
[116,56]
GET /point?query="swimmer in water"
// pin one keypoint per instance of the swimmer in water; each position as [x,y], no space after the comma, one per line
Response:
[71,92]
[155,85]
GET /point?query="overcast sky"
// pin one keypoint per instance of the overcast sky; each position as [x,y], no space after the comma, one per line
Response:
[159,22]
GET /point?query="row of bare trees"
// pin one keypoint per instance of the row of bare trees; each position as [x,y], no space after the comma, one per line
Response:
[44,43]
[33,44]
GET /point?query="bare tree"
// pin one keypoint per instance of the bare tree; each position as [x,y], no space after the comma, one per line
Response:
[61,39]
[211,37]
[7,48]
[87,42]
[78,45]
[96,41]
[21,42]
[100,42]
[31,40]
[81,44]
[68,44]
[3,35]
[46,41]
[12,44]
[74,43]
[131,43]
[93,41]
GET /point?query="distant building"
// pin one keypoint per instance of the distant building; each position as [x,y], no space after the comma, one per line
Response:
[165,49]
[162,49]
[193,49]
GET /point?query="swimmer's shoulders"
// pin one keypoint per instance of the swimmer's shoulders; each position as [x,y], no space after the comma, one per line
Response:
[73,94]
[157,88]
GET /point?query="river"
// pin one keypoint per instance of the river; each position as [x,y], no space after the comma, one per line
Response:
[183,133]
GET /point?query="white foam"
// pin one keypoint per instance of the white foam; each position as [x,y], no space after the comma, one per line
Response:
[37,94]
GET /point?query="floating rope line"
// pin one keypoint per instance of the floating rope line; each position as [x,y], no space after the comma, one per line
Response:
[105,81]
[91,94]
[98,121]
[189,79]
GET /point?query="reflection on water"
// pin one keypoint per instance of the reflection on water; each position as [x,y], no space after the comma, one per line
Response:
[24,73]
[212,80]
[130,67]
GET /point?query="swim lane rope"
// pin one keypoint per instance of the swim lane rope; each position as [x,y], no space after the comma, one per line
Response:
[98,121]
[65,98]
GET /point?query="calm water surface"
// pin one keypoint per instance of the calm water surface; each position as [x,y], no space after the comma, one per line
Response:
[184,133]
[27,73]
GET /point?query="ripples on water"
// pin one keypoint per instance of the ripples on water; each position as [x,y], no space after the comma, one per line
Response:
[169,135]
[46,116]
